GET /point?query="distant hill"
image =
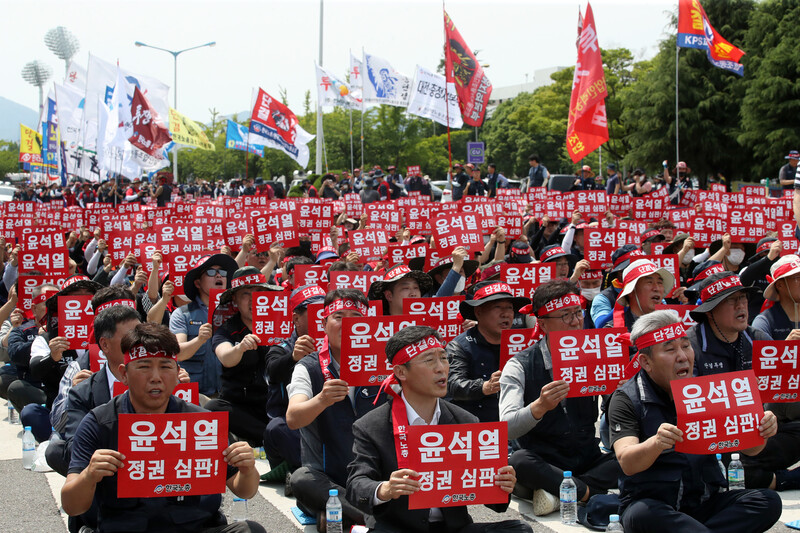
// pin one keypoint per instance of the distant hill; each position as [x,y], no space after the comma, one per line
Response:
[11,114]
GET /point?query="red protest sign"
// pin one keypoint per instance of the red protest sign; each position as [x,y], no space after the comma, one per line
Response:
[512,224]
[718,413]
[413,170]
[213,302]
[314,313]
[75,318]
[363,359]
[360,280]
[683,313]
[513,341]
[311,275]
[746,225]
[275,227]
[272,321]
[442,313]
[775,366]
[457,463]
[591,360]
[44,261]
[188,392]
[451,230]
[369,244]
[600,243]
[648,208]
[175,454]
[400,253]
[524,278]
[384,216]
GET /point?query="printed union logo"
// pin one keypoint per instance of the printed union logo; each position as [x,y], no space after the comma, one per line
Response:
[446,498]
[159,489]
[583,390]
[712,446]
[372,379]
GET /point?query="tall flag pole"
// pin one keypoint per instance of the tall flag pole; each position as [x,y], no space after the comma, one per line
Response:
[587,126]
[462,68]
[318,166]
[447,77]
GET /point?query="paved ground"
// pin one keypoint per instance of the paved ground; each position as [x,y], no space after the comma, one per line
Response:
[31,502]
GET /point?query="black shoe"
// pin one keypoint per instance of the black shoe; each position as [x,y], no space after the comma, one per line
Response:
[787,479]
[287,486]
[322,522]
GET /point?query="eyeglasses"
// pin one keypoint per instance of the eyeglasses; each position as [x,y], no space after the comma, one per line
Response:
[568,318]
[211,272]
[431,361]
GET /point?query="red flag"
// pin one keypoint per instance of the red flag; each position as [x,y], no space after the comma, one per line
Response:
[148,133]
[695,31]
[462,68]
[587,128]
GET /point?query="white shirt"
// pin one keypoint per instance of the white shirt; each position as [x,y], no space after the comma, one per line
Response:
[415,420]
[111,380]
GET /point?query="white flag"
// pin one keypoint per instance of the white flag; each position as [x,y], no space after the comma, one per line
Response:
[383,84]
[357,81]
[76,77]
[331,91]
[428,99]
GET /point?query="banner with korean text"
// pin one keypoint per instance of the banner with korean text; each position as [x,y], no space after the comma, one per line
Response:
[363,357]
[457,464]
[776,367]
[176,454]
[718,413]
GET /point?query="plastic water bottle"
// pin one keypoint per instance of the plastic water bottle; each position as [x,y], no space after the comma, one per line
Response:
[735,473]
[613,523]
[722,468]
[239,510]
[569,499]
[28,448]
[12,414]
[333,512]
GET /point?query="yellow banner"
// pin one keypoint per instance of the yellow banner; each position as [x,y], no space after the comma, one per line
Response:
[186,131]
[30,145]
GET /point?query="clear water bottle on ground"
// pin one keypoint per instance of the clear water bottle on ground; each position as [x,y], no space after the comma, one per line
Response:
[722,467]
[28,448]
[569,499]
[614,524]
[333,512]
[239,510]
[12,414]
[735,473]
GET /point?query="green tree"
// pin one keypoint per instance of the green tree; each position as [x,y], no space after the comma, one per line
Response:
[9,158]
[771,106]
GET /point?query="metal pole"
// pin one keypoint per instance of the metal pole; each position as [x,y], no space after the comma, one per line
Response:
[362,133]
[319,108]
[351,140]
[175,103]
[677,121]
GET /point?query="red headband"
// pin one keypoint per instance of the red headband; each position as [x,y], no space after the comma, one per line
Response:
[73,279]
[520,251]
[43,296]
[140,352]
[344,305]
[665,334]
[650,234]
[764,247]
[551,252]
[305,294]
[710,271]
[719,286]
[412,350]
[640,271]
[591,274]
[783,270]
[253,279]
[559,303]
[630,255]
[397,271]
[494,288]
[125,302]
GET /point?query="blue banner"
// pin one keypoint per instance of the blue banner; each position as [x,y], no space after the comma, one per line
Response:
[237,139]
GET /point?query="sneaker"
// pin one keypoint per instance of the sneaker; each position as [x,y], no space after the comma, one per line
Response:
[287,485]
[544,503]
[277,474]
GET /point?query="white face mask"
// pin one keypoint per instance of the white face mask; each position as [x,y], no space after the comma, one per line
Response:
[462,282]
[687,258]
[589,294]
[736,256]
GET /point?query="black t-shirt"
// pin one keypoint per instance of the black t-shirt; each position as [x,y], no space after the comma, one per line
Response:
[166,194]
[623,420]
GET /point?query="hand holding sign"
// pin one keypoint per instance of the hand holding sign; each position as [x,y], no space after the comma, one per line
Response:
[666,437]
[333,391]
[104,463]
[239,455]
[58,345]
[402,482]
[551,396]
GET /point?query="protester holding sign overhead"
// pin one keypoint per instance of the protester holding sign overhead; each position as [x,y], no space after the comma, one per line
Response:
[379,479]
[150,371]
[662,490]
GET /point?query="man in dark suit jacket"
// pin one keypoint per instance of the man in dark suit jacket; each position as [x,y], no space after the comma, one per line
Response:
[375,482]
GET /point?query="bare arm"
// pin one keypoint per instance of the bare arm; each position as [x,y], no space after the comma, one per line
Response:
[303,410]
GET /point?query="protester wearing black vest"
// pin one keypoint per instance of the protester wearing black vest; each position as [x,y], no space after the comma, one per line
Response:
[323,407]
[662,490]
[554,433]
[151,374]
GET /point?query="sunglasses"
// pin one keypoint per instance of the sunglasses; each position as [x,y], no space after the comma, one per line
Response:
[211,272]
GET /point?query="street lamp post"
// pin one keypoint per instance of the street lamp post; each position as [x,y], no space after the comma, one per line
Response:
[175,54]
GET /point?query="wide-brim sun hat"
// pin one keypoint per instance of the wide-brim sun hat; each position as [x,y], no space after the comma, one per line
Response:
[446,263]
[786,266]
[225,261]
[677,243]
[395,274]
[490,291]
[246,278]
[641,268]
[715,288]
